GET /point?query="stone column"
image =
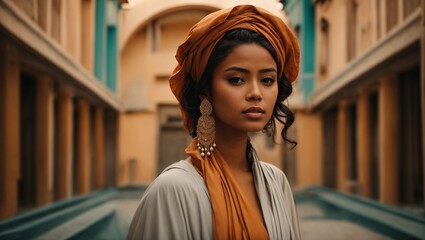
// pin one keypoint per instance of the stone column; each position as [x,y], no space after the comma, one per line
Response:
[65,148]
[388,140]
[9,129]
[84,148]
[99,148]
[363,144]
[341,147]
[44,140]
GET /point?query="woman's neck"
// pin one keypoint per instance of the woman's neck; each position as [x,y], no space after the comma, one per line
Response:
[232,146]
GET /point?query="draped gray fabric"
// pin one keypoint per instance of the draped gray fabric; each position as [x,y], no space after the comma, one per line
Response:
[177,205]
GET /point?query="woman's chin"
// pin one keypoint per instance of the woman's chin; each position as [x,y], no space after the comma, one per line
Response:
[254,129]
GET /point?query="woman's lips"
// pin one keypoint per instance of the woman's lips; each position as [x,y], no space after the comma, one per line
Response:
[254,113]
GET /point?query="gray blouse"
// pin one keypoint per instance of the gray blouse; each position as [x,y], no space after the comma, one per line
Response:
[177,205]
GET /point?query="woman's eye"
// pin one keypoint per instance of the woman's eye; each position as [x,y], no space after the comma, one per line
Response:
[268,81]
[235,81]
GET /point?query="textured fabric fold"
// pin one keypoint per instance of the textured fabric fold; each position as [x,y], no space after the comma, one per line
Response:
[192,55]
[233,217]
[276,202]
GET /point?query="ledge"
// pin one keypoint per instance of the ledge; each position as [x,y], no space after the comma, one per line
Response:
[43,220]
[103,214]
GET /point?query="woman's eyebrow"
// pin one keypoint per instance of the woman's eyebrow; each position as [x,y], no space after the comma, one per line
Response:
[237,69]
[268,70]
[243,70]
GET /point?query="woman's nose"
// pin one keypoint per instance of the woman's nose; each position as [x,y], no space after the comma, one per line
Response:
[254,93]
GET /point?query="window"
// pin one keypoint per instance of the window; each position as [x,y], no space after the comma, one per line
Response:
[324,46]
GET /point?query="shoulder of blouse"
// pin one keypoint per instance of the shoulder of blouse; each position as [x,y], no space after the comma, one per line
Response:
[180,178]
[274,172]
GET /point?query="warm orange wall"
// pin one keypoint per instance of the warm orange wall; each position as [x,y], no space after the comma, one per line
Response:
[133,62]
[137,140]
[309,149]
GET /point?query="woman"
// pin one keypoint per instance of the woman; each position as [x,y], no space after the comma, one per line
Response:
[235,70]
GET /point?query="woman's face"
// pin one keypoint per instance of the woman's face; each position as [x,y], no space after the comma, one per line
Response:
[244,89]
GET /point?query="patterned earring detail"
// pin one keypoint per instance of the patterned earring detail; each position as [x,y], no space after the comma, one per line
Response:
[206,129]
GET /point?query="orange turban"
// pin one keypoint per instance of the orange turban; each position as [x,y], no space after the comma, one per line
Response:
[194,53]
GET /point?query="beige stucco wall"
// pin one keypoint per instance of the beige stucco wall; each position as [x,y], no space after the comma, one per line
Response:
[145,68]
[335,13]
[131,19]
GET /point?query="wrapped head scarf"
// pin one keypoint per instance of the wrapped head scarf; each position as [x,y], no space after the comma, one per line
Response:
[192,56]
[232,211]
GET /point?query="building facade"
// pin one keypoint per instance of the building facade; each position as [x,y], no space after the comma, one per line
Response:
[58,102]
[367,99]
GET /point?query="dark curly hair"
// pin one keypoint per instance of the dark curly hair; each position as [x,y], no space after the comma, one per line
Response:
[192,90]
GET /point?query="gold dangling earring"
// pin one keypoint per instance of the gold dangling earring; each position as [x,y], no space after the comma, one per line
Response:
[205,129]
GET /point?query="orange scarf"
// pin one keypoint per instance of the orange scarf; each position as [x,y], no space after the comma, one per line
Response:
[232,212]
[193,54]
